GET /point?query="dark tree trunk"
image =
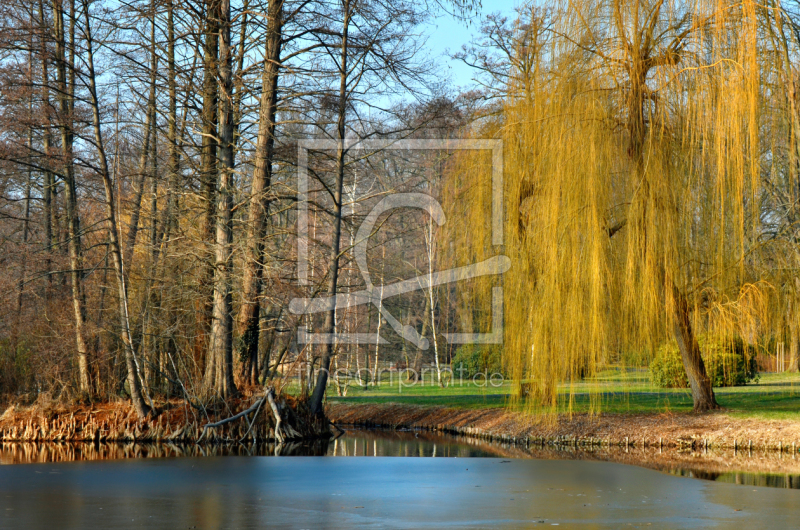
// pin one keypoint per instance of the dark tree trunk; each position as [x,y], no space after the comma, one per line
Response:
[259,199]
[208,171]
[249,353]
[219,367]
[170,218]
[333,274]
[699,382]
[49,181]
[794,340]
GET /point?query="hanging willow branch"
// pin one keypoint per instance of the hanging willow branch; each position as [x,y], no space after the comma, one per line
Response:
[670,115]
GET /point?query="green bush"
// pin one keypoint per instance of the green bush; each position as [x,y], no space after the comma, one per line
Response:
[477,358]
[727,362]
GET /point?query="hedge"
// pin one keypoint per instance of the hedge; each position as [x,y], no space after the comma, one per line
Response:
[728,362]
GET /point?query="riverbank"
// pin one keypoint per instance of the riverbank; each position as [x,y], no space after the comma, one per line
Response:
[672,430]
[178,422]
[253,416]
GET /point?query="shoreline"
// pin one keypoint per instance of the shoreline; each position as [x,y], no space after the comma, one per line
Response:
[685,444]
[246,418]
[713,430]
[178,423]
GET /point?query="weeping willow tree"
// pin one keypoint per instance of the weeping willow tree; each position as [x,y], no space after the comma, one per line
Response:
[636,144]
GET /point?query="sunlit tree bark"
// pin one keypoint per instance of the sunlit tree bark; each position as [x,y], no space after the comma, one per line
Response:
[219,365]
[248,319]
[65,90]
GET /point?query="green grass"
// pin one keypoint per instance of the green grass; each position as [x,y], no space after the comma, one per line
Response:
[615,390]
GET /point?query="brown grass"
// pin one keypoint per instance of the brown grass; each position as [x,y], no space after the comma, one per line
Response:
[175,422]
[696,431]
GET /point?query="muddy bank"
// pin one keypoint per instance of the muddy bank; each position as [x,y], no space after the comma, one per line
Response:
[682,431]
[251,418]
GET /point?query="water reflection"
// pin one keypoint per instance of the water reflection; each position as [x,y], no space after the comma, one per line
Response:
[27,453]
[770,480]
[751,469]
[376,493]
[409,443]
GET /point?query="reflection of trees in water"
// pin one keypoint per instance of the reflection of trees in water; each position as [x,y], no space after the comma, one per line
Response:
[768,469]
[774,481]
[706,466]
[21,453]
[412,443]
[359,443]
[746,479]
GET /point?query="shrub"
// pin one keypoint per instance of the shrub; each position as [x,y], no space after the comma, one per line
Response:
[727,362]
[477,358]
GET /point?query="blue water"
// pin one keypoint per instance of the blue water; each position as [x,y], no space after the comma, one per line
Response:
[380,483]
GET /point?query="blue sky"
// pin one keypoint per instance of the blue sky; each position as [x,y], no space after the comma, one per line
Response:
[445,34]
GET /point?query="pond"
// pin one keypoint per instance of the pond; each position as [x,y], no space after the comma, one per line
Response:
[380,483]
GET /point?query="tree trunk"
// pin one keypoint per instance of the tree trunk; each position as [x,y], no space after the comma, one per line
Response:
[170,218]
[208,169]
[267,351]
[376,374]
[699,382]
[432,306]
[27,208]
[794,340]
[49,181]
[219,368]
[169,215]
[134,374]
[25,226]
[73,224]
[333,274]
[238,80]
[253,266]
[793,347]
[149,130]
[153,297]
[415,374]
[638,71]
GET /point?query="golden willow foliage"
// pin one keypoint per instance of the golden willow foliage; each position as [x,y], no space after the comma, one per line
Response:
[634,155]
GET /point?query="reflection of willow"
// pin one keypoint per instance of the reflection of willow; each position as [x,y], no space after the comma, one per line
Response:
[763,469]
[25,453]
[753,479]
[636,149]
[769,480]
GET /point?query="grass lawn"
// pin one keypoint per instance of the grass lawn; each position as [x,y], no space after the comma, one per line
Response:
[774,396]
